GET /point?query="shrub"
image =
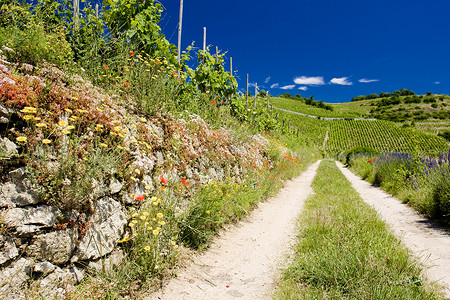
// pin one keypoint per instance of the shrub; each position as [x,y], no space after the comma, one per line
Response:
[34,45]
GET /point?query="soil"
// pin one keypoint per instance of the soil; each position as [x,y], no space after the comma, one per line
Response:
[427,242]
[247,258]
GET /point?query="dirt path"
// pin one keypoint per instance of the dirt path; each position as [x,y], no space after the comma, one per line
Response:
[431,245]
[245,260]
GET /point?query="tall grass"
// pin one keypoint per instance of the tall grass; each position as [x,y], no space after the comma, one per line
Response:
[345,251]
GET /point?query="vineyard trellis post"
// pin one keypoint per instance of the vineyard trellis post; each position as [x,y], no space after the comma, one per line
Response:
[246,95]
[204,39]
[256,93]
[217,54]
[76,13]
[180,25]
[271,106]
[231,66]
[96,10]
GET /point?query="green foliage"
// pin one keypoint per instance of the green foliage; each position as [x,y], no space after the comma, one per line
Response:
[210,76]
[138,22]
[33,45]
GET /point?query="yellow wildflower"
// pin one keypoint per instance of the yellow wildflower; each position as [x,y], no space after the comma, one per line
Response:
[70,127]
[65,131]
[103,145]
[36,118]
[155,232]
[134,221]
[142,218]
[145,213]
[208,212]
[62,123]
[143,120]
[162,223]
[27,117]
[159,215]
[147,248]
[134,215]
[173,243]
[41,125]
[68,110]
[46,141]
[21,139]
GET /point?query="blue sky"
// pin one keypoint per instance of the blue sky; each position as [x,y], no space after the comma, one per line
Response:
[334,50]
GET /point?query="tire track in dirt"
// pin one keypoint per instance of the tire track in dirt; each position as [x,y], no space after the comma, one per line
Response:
[429,244]
[246,259]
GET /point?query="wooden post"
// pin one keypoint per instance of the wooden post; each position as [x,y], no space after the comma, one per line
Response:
[231,66]
[76,13]
[246,95]
[204,39]
[96,10]
[271,106]
[267,102]
[180,25]
[256,93]
[217,54]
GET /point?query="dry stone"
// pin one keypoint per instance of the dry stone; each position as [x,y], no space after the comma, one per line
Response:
[31,219]
[18,191]
[115,186]
[108,263]
[106,228]
[44,268]
[7,147]
[56,246]
[8,249]
[55,285]
[14,279]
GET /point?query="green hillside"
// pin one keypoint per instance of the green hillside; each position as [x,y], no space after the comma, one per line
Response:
[345,133]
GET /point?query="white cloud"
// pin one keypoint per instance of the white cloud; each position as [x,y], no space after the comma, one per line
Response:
[288,87]
[309,80]
[274,86]
[303,88]
[341,81]
[251,84]
[267,80]
[437,82]
[363,80]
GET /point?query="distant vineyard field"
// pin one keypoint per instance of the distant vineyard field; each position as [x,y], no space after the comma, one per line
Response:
[344,135]
[382,136]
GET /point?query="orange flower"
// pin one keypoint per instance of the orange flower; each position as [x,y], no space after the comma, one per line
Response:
[105,67]
[213,102]
[131,53]
[281,165]
[183,180]
[175,73]
[176,168]
[140,198]
[164,181]
[127,83]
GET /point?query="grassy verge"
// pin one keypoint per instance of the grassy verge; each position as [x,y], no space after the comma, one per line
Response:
[423,183]
[345,251]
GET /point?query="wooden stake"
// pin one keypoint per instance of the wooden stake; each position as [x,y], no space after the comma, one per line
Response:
[204,39]
[217,54]
[231,66]
[96,10]
[247,92]
[256,93]
[180,25]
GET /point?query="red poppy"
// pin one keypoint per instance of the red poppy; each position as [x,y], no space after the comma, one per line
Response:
[131,53]
[105,67]
[183,180]
[213,102]
[281,165]
[140,198]
[203,169]
[164,181]
[127,83]
[371,160]
[254,167]
[176,168]
[214,134]
[175,73]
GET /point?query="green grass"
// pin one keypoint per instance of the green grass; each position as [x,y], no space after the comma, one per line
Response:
[300,106]
[345,252]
